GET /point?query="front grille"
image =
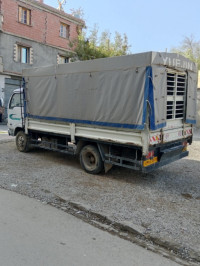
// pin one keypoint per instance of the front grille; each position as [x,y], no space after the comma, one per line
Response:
[176,90]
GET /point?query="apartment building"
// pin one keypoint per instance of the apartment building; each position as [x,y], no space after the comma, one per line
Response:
[32,34]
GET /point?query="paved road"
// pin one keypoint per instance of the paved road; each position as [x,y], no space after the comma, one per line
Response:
[32,233]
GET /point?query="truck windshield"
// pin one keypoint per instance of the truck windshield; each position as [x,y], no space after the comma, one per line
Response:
[16,101]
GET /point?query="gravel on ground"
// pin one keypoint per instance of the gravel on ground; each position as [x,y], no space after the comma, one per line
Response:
[164,204]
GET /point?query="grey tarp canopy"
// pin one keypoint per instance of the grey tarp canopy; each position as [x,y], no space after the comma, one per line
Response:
[111,92]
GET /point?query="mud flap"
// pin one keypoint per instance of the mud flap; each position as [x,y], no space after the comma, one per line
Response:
[107,166]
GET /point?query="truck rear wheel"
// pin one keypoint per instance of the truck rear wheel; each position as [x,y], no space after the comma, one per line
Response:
[90,159]
[22,142]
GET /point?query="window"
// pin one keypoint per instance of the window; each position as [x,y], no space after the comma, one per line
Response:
[64,30]
[16,101]
[24,54]
[24,15]
[63,59]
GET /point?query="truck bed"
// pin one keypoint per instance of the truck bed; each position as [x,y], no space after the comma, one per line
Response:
[174,131]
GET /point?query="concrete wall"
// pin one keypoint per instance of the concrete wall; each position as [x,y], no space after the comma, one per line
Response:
[2,79]
[2,85]
[1,64]
[43,55]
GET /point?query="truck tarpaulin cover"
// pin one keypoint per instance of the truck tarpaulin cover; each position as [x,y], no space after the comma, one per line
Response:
[110,92]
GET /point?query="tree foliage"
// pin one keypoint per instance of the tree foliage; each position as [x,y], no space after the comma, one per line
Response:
[99,46]
[78,13]
[190,48]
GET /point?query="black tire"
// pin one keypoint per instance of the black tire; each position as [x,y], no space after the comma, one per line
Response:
[22,142]
[90,160]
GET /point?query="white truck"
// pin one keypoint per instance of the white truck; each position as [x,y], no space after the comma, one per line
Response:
[134,111]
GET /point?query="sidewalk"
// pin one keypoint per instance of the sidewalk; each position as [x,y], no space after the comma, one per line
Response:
[32,233]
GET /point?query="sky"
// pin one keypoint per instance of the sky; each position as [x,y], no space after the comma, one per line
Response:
[151,25]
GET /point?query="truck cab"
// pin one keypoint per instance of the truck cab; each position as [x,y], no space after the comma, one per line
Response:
[16,112]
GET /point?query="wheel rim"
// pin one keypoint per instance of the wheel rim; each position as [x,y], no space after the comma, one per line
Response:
[90,160]
[21,142]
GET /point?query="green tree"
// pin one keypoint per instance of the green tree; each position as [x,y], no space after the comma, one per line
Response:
[190,48]
[93,37]
[99,46]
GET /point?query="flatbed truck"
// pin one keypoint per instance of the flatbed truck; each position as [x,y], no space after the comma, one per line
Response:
[135,111]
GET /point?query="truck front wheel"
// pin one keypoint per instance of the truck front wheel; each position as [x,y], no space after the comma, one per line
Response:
[22,142]
[90,159]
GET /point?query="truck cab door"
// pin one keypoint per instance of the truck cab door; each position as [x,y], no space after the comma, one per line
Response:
[15,112]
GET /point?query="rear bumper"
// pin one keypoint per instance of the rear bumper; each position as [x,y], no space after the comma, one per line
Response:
[164,161]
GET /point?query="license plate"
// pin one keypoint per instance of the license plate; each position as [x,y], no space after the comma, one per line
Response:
[150,161]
